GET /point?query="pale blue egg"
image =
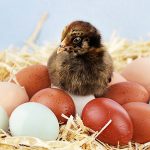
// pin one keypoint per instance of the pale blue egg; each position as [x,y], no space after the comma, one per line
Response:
[3,119]
[34,119]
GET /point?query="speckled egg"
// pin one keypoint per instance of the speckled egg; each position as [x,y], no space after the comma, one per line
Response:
[125,92]
[58,101]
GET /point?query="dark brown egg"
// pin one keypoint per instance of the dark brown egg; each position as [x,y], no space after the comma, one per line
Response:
[99,111]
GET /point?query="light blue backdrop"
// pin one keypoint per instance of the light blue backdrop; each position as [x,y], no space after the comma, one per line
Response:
[130,18]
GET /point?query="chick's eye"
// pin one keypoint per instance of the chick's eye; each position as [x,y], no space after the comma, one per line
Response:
[87,39]
[76,40]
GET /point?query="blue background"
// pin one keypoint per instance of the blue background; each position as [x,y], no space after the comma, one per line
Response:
[18,18]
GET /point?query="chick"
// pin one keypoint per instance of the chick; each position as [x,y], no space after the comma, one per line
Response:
[81,65]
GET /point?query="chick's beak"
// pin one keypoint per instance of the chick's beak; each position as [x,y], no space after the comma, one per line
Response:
[61,47]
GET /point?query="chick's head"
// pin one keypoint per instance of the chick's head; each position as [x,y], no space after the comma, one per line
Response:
[79,38]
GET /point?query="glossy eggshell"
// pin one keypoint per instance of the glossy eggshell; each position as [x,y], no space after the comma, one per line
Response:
[35,120]
[57,100]
[116,78]
[34,78]
[11,96]
[140,116]
[125,92]
[138,71]
[99,111]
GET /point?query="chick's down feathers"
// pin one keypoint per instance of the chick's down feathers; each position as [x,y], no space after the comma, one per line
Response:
[81,65]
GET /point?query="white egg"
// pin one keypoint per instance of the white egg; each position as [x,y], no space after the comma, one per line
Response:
[81,101]
[3,119]
[35,120]
[53,86]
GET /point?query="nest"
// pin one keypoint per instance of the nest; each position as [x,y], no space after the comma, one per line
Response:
[74,135]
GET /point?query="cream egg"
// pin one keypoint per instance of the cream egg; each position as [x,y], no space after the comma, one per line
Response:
[116,78]
[139,71]
[11,96]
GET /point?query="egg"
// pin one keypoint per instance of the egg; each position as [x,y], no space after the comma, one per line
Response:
[3,119]
[35,120]
[140,116]
[138,71]
[116,78]
[125,92]
[99,111]
[57,100]
[80,102]
[34,78]
[11,96]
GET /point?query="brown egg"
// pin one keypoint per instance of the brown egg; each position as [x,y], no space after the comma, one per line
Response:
[116,78]
[125,92]
[99,111]
[57,100]
[34,78]
[139,71]
[140,116]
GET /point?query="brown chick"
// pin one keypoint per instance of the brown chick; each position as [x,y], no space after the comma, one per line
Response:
[81,65]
